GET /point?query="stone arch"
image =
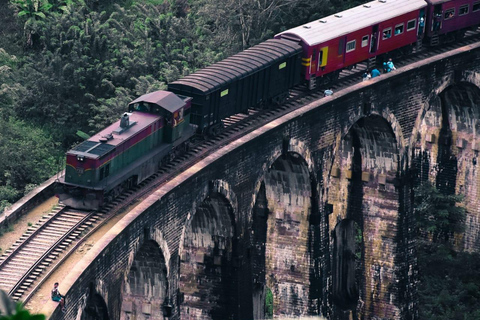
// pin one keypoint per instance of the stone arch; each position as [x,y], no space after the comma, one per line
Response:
[446,143]
[282,243]
[207,283]
[95,307]
[362,189]
[289,145]
[458,163]
[145,290]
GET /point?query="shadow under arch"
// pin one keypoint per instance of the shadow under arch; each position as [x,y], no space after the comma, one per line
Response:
[281,239]
[95,308]
[208,280]
[364,213]
[145,290]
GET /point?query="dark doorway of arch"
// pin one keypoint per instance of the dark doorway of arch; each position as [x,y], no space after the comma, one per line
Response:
[96,309]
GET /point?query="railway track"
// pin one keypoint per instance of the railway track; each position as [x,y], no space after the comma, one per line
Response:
[25,266]
[41,244]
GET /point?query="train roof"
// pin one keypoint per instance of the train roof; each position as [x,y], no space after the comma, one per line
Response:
[112,136]
[356,18]
[237,66]
[435,2]
[166,100]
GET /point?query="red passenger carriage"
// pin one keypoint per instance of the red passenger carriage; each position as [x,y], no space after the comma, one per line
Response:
[346,38]
[450,18]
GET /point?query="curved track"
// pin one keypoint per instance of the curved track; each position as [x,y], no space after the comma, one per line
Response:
[22,268]
[22,264]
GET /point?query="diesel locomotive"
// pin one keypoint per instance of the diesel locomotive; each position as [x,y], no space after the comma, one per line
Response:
[156,124]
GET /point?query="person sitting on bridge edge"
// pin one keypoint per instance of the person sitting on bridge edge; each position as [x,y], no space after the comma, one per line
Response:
[389,66]
[375,73]
[328,92]
[366,76]
[56,296]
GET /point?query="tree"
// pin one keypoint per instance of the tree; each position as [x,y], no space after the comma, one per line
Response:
[449,281]
[438,215]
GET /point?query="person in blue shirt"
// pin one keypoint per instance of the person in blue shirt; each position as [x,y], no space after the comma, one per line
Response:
[375,73]
[389,66]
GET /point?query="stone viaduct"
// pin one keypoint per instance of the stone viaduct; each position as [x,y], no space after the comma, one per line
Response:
[309,215]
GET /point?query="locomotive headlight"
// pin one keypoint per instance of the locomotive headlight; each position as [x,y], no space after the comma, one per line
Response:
[80,158]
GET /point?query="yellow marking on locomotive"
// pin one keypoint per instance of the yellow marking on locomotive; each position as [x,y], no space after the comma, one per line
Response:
[224,93]
[306,61]
[282,65]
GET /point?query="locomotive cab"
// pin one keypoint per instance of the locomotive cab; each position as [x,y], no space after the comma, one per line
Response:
[175,109]
[127,152]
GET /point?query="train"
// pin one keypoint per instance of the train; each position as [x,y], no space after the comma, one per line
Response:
[159,124]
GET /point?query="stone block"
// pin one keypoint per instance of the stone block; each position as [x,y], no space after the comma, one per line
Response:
[335,172]
[365,176]
[476,146]
[146,308]
[430,138]
[460,143]
[279,215]
[127,306]
[199,257]
[382,179]
[348,174]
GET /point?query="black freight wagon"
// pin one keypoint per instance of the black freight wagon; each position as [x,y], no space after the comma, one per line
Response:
[257,75]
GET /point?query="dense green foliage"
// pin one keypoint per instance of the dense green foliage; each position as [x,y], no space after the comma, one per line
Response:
[438,215]
[73,65]
[269,304]
[449,286]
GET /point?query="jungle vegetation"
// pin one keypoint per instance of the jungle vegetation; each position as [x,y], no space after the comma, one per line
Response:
[449,279]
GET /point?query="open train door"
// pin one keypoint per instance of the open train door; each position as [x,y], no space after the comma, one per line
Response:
[374,39]
[373,47]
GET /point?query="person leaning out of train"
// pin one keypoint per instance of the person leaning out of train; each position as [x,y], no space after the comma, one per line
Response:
[421,26]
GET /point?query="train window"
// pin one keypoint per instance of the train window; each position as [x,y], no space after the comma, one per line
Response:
[351,45]
[476,6]
[463,10]
[399,29]
[364,41]
[449,13]
[387,33]
[107,170]
[411,24]
[102,173]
